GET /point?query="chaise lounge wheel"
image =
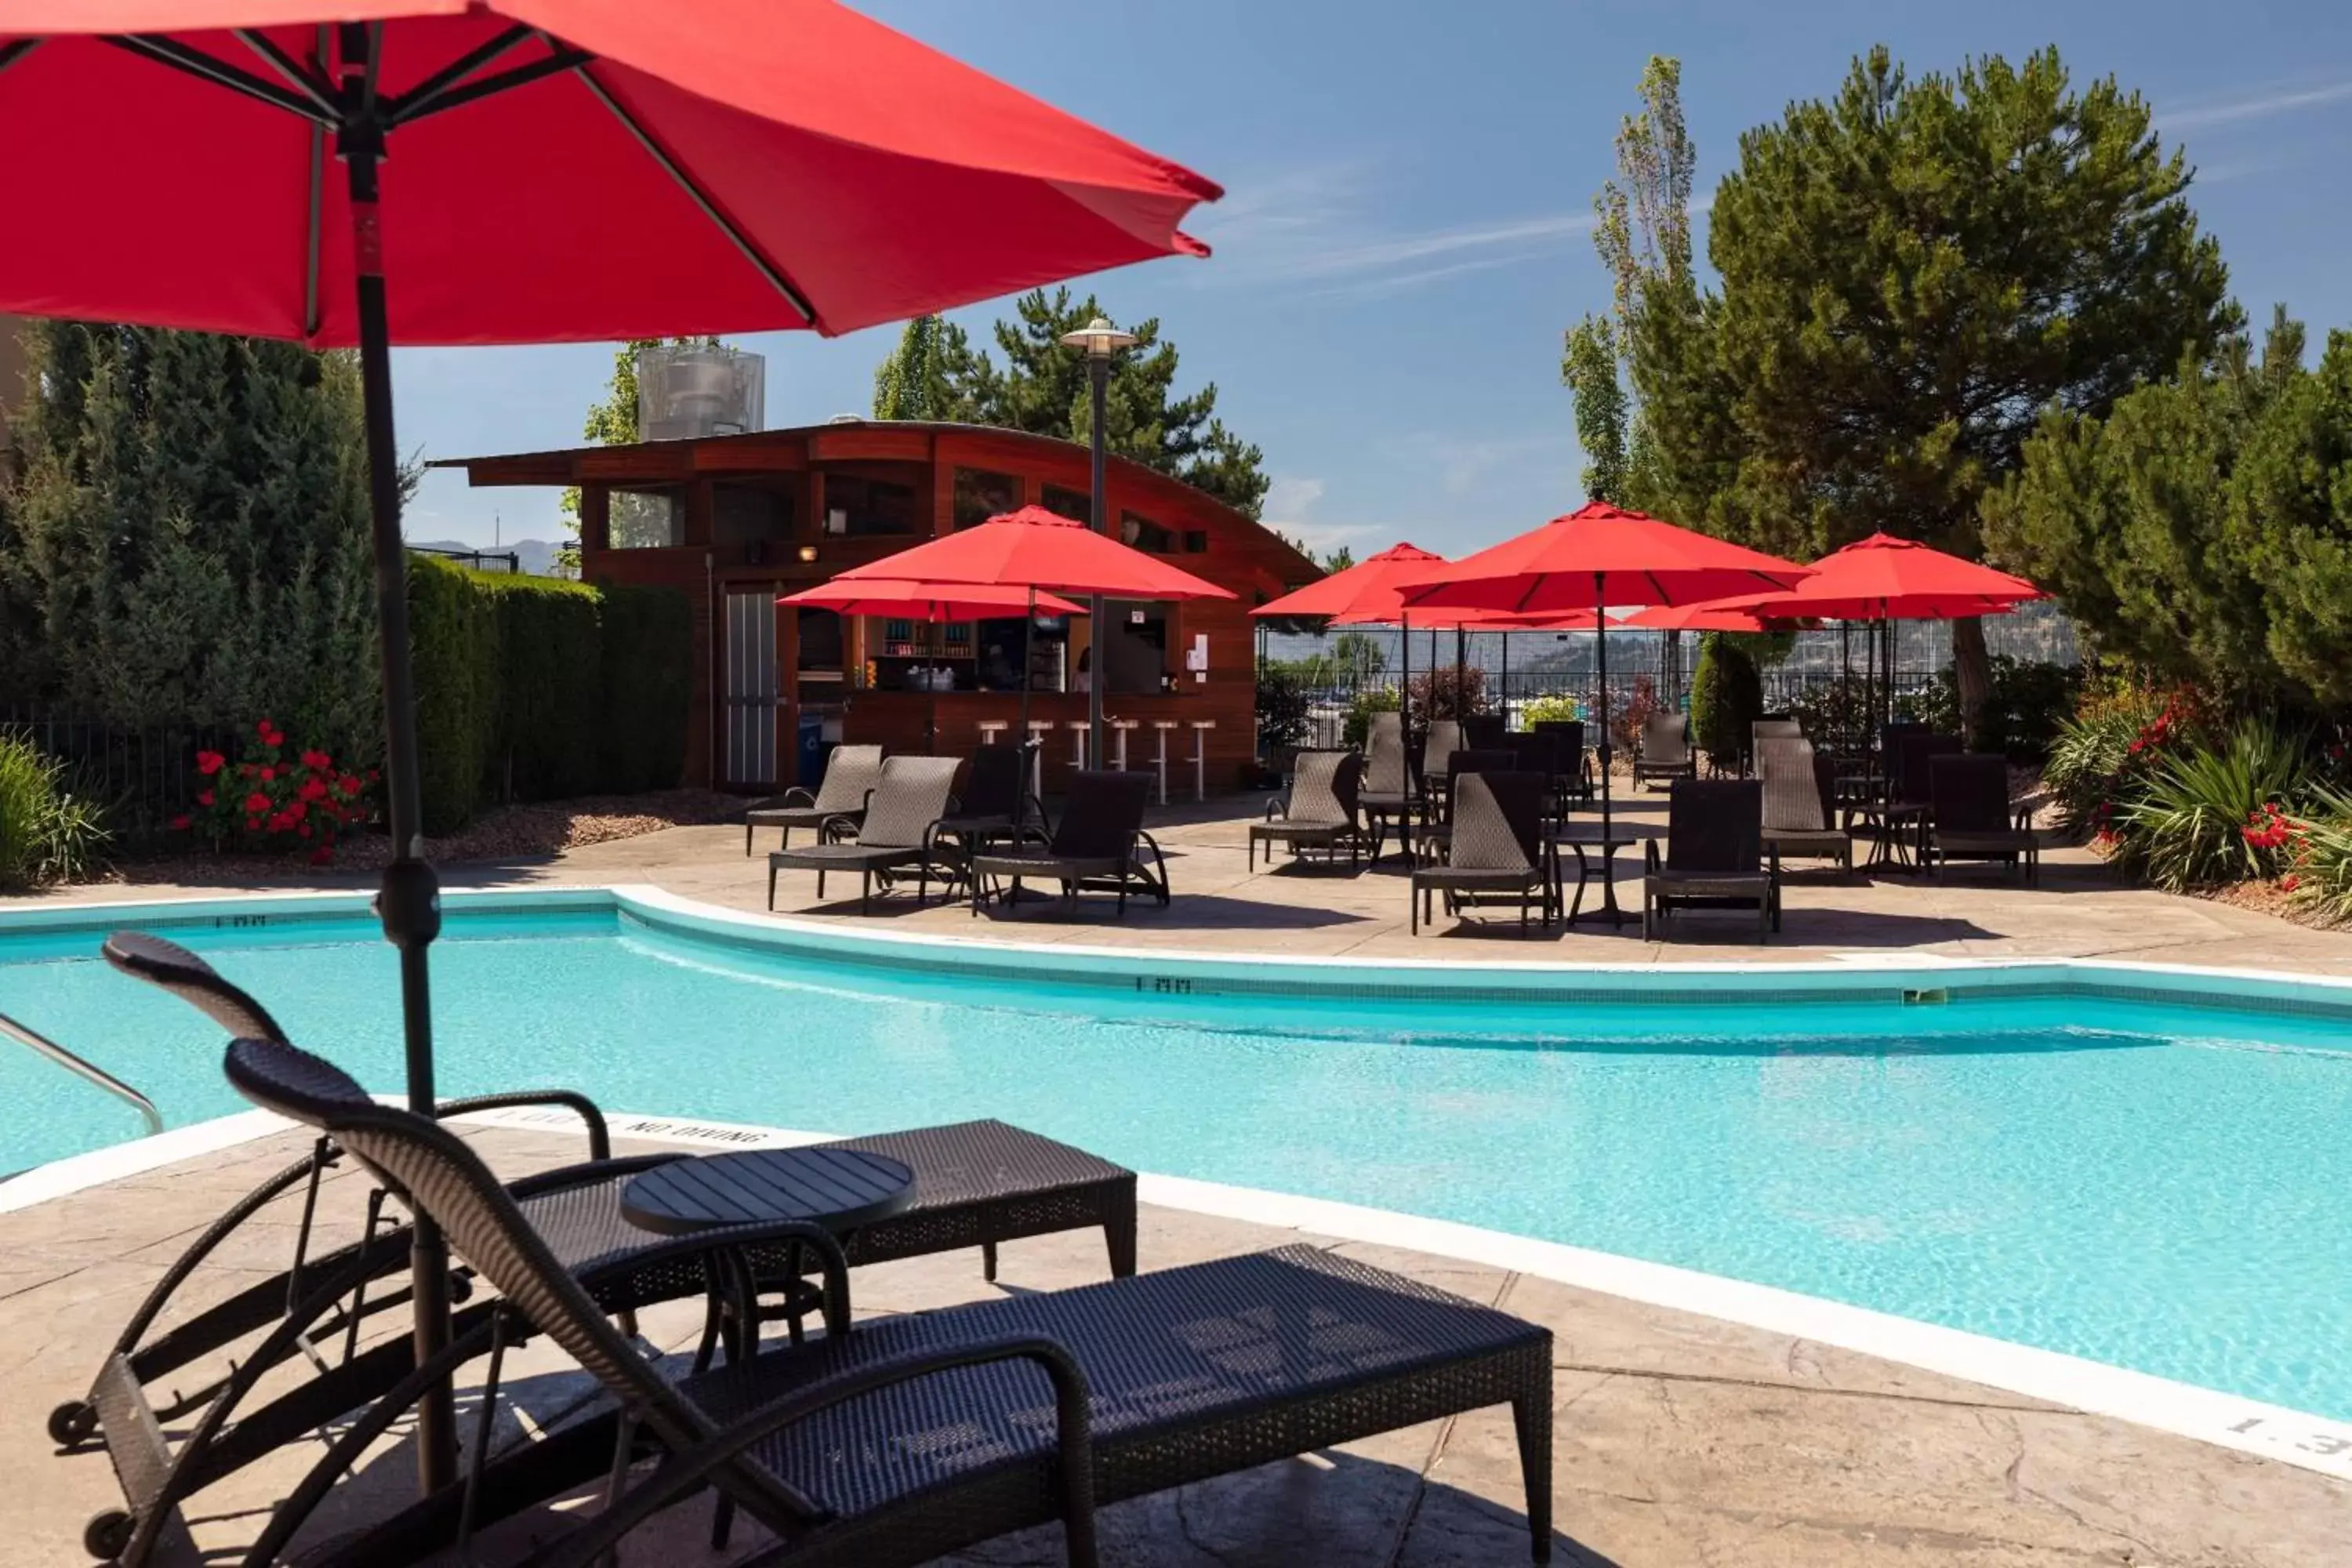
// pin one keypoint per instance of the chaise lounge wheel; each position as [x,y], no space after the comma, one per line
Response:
[73,1424]
[107,1536]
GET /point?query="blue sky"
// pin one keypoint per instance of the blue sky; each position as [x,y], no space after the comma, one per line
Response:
[1406,230]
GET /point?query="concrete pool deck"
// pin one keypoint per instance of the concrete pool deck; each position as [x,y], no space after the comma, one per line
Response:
[1680,1439]
[2081,910]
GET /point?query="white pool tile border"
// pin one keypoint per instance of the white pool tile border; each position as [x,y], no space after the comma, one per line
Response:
[2290,1436]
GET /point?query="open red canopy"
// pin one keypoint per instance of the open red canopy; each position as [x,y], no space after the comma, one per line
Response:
[934,603]
[1036,548]
[1600,554]
[1882,578]
[1368,592]
[644,170]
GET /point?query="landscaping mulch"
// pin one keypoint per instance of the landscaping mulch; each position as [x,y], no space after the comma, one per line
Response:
[535,831]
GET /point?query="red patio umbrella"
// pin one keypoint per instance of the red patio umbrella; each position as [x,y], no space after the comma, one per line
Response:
[1883,578]
[1594,557]
[557,169]
[936,604]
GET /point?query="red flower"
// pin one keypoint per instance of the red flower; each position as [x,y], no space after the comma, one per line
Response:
[267,773]
[245,770]
[205,798]
[209,763]
[179,823]
[256,803]
[304,830]
[2289,883]
[322,856]
[318,761]
[295,810]
[263,729]
[313,789]
[253,825]
[351,784]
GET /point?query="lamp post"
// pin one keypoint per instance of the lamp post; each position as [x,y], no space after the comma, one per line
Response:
[1100,343]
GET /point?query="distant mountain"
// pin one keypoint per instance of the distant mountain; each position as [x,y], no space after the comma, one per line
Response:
[535,557]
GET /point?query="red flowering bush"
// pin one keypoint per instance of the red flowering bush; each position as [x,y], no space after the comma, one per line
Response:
[279,800]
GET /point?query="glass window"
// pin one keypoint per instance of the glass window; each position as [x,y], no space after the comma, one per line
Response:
[857,506]
[1076,505]
[1134,646]
[820,640]
[980,495]
[750,512]
[1141,533]
[645,520]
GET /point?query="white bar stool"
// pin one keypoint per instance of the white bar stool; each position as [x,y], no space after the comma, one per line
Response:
[992,730]
[1038,730]
[1160,728]
[1078,728]
[1200,727]
[1119,727]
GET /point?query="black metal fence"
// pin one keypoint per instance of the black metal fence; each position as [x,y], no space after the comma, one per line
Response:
[143,778]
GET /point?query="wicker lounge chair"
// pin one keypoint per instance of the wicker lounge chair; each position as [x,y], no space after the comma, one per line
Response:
[993,786]
[1498,848]
[1664,751]
[850,776]
[1099,846]
[900,830]
[1437,821]
[1575,766]
[1388,796]
[901,1439]
[1800,791]
[1440,741]
[1900,815]
[1970,817]
[1714,857]
[1484,731]
[1319,812]
[976,1183]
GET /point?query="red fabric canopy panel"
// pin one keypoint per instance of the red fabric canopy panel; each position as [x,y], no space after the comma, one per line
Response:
[823,172]
[1370,593]
[1882,578]
[934,603]
[1599,555]
[1036,548]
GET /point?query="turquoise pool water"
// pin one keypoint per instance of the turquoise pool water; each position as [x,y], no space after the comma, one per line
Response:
[2160,1188]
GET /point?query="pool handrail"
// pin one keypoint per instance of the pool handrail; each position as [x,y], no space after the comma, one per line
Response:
[41,1044]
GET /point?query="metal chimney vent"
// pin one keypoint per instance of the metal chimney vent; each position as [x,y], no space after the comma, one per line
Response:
[685,393]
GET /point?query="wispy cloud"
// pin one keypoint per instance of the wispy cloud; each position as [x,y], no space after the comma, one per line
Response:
[1315,226]
[1289,505]
[2257,105]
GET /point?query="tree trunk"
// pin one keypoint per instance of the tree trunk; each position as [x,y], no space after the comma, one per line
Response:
[1972,672]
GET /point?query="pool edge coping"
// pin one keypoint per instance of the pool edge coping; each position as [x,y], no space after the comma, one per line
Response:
[2209,1415]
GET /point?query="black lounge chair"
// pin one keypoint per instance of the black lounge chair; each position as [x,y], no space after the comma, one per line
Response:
[1497,848]
[1574,767]
[1099,846]
[1970,817]
[900,830]
[850,775]
[978,1184]
[1799,804]
[1714,857]
[1899,816]
[1320,811]
[994,785]
[1439,741]
[1388,796]
[1664,751]
[912,1436]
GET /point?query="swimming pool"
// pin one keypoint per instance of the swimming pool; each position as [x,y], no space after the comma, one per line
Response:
[2141,1182]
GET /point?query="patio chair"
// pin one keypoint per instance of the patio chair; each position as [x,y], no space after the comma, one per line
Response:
[1899,815]
[900,830]
[1800,802]
[1664,751]
[996,782]
[850,775]
[1098,846]
[978,1184]
[1713,855]
[1388,794]
[1437,809]
[1970,818]
[912,1436]
[1575,766]
[1440,741]
[1498,846]
[1317,813]
[1483,731]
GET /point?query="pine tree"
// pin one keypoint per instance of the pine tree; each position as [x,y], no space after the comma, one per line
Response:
[931,375]
[189,532]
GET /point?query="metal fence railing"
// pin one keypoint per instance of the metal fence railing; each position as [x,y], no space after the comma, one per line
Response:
[142,777]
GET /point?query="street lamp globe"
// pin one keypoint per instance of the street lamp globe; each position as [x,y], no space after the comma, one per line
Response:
[1098,339]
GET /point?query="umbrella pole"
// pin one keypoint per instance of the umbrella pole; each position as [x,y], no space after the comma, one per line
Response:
[1020,801]
[1404,693]
[409,903]
[1600,664]
[1503,684]
[1461,674]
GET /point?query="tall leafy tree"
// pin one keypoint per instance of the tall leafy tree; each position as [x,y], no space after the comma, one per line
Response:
[1643,236]
[1041,388]
[930,374]
[1912,272]
[186,536]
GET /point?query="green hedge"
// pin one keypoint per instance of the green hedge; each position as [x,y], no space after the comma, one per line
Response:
[535,688]
[1727,699]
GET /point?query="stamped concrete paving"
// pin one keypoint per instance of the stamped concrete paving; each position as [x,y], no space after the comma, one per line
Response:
[1680,1439]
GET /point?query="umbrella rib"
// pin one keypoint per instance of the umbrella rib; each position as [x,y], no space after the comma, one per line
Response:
[205,68]
[556,64]
[752,253]
[317,89]
[11,53]
[419,99]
